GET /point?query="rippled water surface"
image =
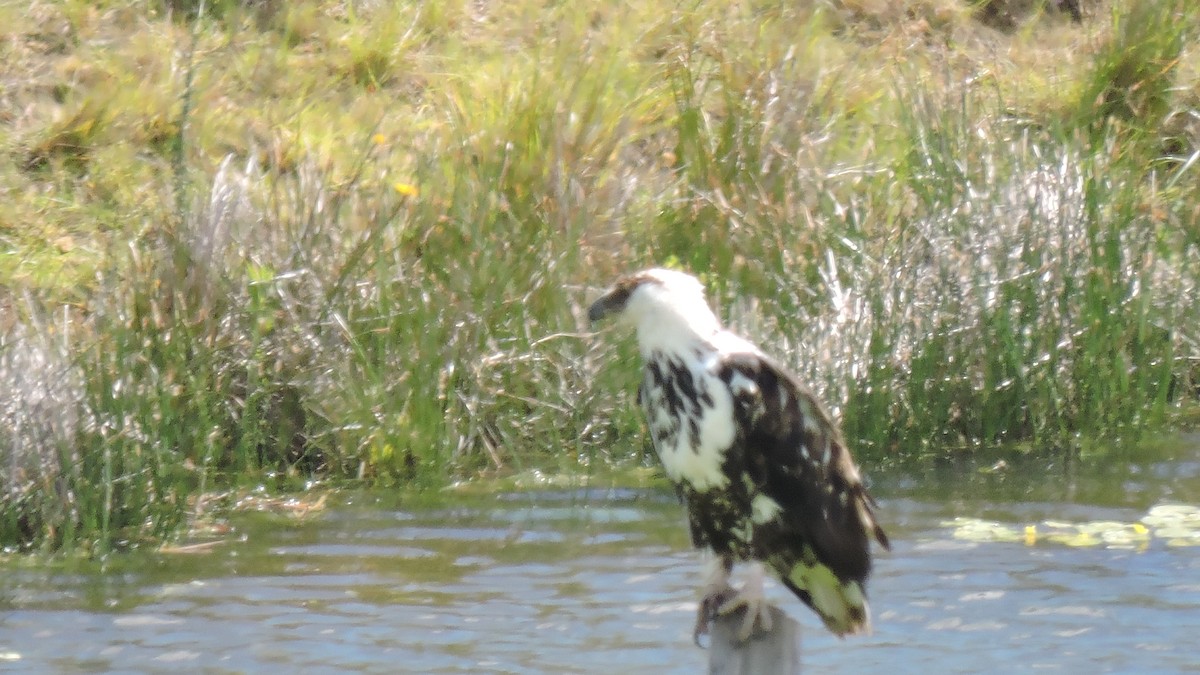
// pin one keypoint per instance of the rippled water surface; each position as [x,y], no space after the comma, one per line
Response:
[602,580]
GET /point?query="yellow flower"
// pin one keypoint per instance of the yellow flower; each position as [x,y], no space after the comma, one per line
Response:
[379,139]
[406,189]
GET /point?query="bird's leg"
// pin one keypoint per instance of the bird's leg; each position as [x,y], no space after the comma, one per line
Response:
[713,593]
[751,598]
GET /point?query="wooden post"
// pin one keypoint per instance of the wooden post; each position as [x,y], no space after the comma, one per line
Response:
[774,652]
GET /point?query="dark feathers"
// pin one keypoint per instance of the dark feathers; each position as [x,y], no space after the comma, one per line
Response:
[799,459]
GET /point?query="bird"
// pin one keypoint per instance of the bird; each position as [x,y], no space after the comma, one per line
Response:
[765,475]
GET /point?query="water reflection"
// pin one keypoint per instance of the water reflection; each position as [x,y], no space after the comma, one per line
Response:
[598,581]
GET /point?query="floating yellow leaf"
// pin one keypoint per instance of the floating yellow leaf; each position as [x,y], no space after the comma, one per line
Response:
[406,189]
[379,139]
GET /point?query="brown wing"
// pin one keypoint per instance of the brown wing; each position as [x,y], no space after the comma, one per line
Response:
[798,458]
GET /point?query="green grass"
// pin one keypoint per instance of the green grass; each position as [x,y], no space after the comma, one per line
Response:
[278,242]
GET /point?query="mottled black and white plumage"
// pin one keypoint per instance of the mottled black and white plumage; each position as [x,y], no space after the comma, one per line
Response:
[765,474]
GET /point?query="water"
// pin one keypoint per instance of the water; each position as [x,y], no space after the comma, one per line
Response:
[596,581]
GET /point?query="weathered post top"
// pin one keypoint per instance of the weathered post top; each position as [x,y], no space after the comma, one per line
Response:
[773,652]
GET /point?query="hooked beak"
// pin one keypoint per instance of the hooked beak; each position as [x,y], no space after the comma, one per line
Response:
[600,309]
[610,303]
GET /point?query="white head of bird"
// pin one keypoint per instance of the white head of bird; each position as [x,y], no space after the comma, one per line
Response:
[666,307]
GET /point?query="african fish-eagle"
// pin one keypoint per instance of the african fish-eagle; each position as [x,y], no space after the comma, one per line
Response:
[764,473]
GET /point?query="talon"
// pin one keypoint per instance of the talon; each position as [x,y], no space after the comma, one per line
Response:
[708,609]
[703,617]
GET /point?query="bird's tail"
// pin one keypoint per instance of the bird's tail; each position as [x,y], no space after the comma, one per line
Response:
[842,605]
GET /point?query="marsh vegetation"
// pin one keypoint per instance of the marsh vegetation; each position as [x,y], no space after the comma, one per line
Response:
[265,241]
